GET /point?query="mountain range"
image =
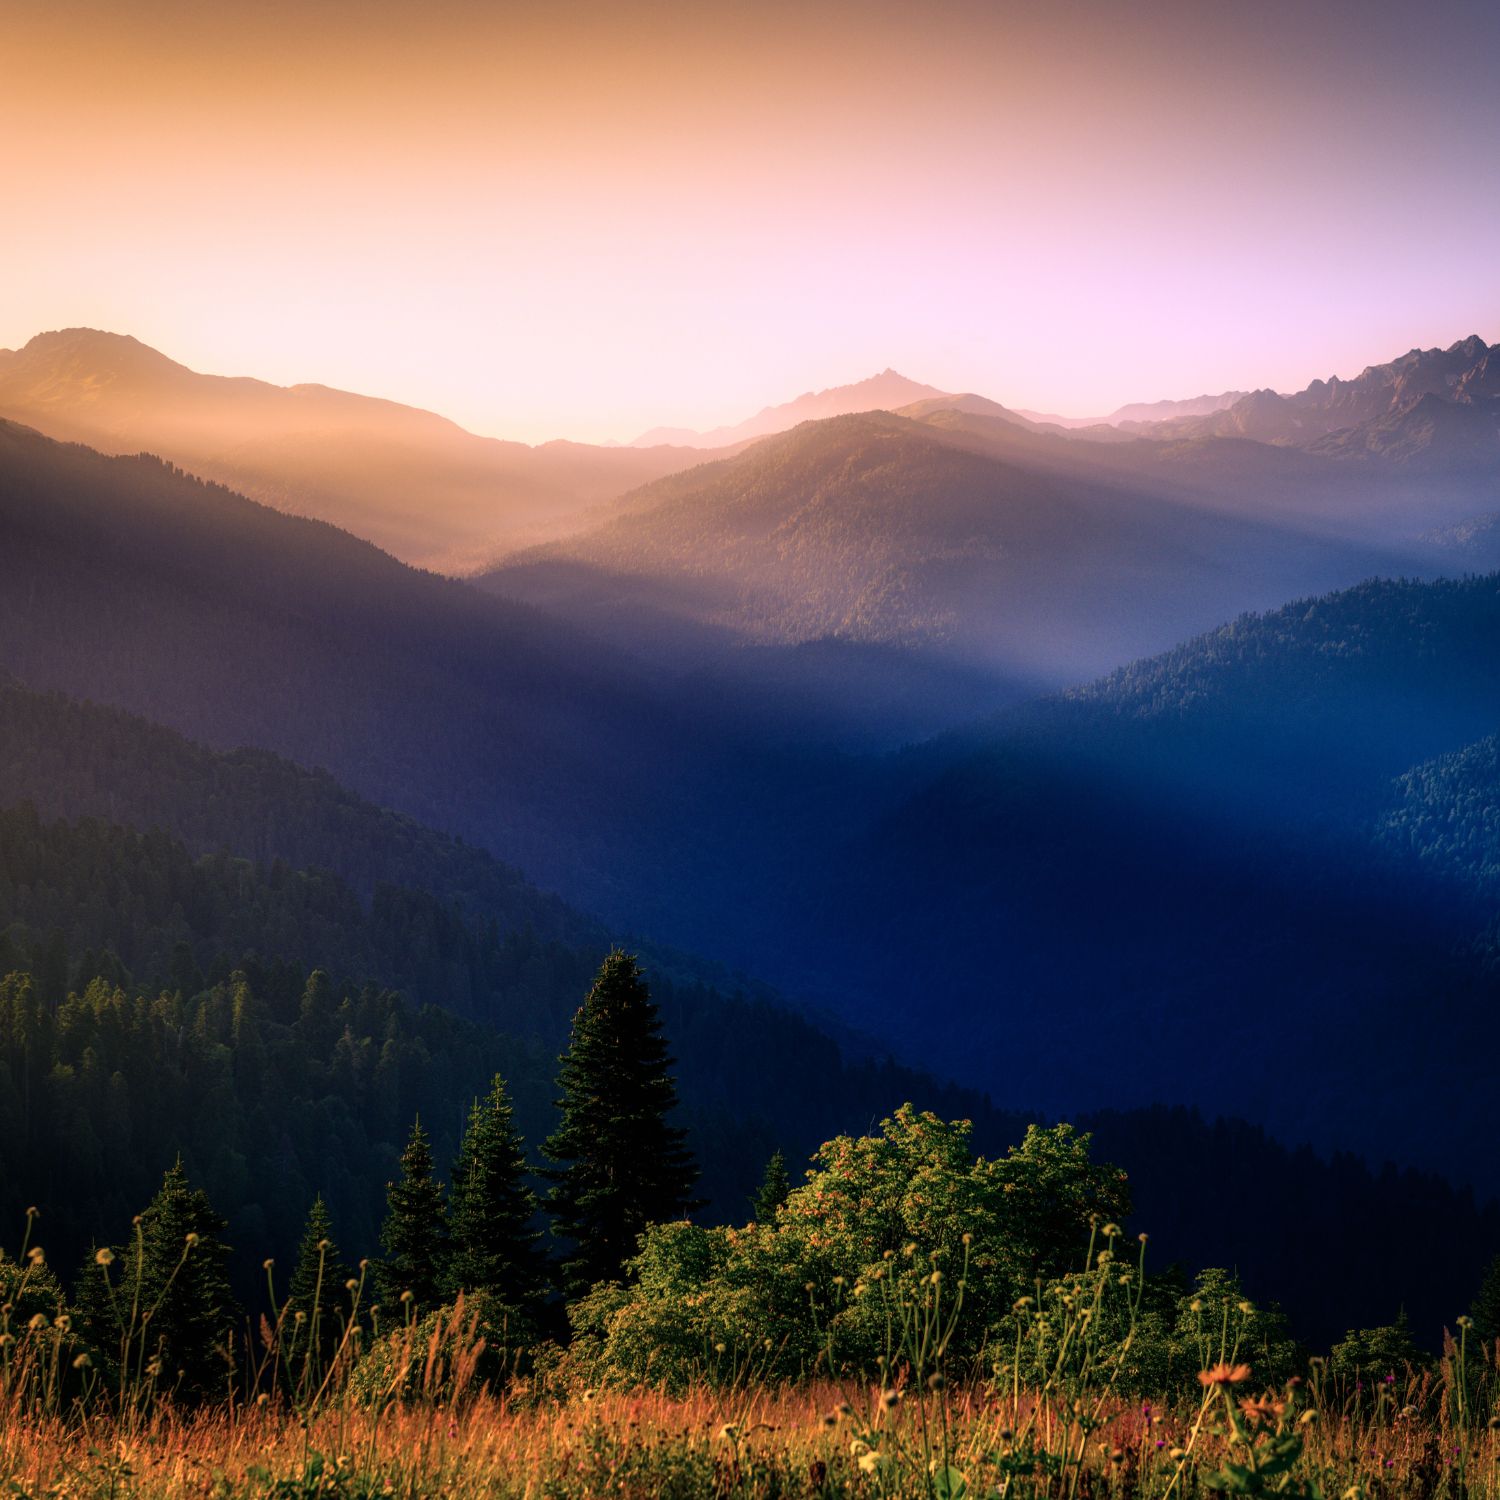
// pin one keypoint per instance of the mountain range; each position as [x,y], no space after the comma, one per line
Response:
[939,732]
[414,483]
[883,392]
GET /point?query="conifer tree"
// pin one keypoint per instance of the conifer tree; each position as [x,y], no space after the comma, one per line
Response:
[415,1233]
[619,1164]
[318,1288]
[170,1302]
[491,1209]
[774,1189]
[1486,1309]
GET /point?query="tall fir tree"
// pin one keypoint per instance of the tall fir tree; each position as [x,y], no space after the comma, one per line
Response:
[619,1164]
[490,1208]
[166,1292]
[415,1233]
[775,1187]
[318,1289]
[1486,1308]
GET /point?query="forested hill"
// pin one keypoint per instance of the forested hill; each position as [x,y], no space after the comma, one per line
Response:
[443,968]
[75,759]
[1209,864]
[276,1084]
[133,584]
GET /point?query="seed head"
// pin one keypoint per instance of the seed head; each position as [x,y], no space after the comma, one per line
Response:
[888,1399]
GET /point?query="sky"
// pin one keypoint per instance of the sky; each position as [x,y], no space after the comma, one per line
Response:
[590,219]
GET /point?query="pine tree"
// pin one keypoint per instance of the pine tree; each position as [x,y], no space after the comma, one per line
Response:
[171,1300]
[491,1209]
[318,1288]
[774,1189]
[415,1233]
[620,1164]
[1486,1309]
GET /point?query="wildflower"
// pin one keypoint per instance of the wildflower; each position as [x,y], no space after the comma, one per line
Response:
[192,1237]
[1259,1409]
[267,1263]
[869,1462]
[1248,1309]
[968,1239]
[1464,1322]
[1111,1231]
[719,1348]
[37,1323]
[35,1255]
[1224,1374]
[1177,1454]
[728,1432]
[858,1446]
[1196,1305]
[82,1362]
[104,1257]
[1143,1237]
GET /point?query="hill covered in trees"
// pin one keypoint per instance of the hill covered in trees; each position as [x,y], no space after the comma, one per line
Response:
[222,1002]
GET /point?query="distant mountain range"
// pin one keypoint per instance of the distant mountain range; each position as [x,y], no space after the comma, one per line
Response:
[415,484]
[956,532]
[883,392]
[1373,412]
[1143,411]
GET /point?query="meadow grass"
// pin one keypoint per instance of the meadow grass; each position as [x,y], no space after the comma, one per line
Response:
[762,1442]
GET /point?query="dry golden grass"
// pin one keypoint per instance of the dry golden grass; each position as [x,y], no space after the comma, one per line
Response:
[764,1443]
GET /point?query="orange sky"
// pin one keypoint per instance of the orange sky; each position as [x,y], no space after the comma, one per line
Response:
[590,219]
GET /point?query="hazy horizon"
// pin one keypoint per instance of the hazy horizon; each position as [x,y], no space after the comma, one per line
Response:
[587,223]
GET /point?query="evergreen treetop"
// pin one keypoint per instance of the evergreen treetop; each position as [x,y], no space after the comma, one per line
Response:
[318,1289]
[164,1297]
[494,1242]
[415,1233]
[775,1188]
[619,1162]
